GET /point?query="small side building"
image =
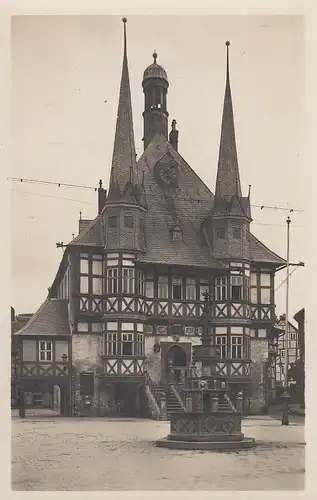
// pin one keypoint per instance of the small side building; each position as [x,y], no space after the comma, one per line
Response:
[43,374]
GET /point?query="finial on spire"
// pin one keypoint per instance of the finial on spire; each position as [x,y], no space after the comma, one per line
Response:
[227,44]
[80,214]
[154,56]
[100,184]
[124,20]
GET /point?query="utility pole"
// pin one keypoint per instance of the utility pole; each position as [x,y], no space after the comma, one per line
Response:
[285,396]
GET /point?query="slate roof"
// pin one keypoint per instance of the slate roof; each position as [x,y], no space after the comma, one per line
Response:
[50,319]
[124,168]
[228,177]
[188,208]
[91,235]
[261,253]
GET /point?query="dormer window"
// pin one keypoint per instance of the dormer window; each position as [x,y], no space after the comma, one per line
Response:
[236,232]
[177,233]
[220,233]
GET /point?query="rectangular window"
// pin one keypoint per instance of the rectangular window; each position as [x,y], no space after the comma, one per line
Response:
[220,233]
[254,281]
[236,347]
[265,279]
[84,285]
[236,232]
[265,296]
[139,345]
[236,287]
[282,353]
[254,295]
[221,288]
[203,288]
[292,336]
[97,286]
[162,290]
[127,344]
[111,344]
[149,289]
[127,280]
[128,221]
[112,221]
[97,267]
[221,343]
[45,351]
[177,286]
[141,283]
[246,288]
[84,267]
[112,281]
[190,289]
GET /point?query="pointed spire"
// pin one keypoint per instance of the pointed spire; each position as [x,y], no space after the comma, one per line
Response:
[228,178]
[124,168]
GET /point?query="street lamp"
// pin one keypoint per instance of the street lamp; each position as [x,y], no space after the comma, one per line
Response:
[285,396]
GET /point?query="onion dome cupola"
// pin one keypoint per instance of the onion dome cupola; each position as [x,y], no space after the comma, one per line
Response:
[155,115]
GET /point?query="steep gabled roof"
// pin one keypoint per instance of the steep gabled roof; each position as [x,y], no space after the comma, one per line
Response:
[50,319]
[261,253]
[186,205]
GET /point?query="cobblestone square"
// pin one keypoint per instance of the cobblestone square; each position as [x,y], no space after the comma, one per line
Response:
[54,453]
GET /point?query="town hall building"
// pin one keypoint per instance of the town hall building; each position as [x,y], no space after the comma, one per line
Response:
[124,310]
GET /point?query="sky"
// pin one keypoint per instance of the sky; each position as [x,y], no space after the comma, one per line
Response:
[64,68]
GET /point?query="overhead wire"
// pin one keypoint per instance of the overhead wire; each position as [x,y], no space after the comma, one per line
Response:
[282,282]
[80,186]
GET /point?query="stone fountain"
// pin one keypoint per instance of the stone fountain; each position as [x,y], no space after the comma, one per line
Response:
[211,421]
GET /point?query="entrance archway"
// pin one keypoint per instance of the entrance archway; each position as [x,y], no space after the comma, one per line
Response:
[176,357]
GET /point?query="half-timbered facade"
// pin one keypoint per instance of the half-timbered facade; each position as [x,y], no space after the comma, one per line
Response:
[134,277]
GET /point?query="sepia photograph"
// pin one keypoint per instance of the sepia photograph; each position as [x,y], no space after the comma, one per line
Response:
[157,315]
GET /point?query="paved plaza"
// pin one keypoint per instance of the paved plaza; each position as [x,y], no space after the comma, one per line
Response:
[50,452]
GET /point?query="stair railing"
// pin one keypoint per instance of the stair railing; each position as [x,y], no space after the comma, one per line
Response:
[226,397]
[178,391]
[156,400]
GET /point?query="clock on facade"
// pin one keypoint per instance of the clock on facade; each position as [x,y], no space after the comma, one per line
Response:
[166,172]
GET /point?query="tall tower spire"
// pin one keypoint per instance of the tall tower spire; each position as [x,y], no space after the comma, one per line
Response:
[228,178]
[124,172]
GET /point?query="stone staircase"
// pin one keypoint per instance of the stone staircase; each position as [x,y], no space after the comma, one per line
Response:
[173,405]
[224,405]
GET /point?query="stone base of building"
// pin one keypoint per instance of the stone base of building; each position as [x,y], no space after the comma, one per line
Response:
[243,444]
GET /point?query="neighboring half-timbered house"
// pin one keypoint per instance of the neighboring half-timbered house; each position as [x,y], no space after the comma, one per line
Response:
[44,347]
[134,277]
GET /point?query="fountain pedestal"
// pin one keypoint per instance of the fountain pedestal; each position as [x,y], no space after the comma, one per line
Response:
[211,421]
